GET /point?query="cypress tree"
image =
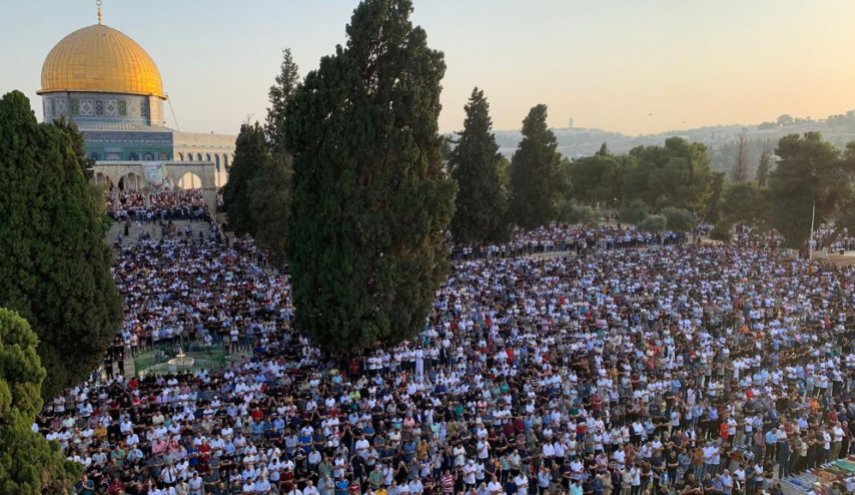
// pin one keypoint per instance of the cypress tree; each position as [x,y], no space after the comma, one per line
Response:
[367,246]
[279,95]
[481,205]
[29,464]
[535,173]
[269,206]
[251,155]
[269,191]
[54,263]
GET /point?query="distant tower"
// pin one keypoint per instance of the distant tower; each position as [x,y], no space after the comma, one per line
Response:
[571,122]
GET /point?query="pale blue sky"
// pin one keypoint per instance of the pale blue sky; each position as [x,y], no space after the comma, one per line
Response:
[606,63]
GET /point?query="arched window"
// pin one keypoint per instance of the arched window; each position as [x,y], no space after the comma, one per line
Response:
[190,156]
[180,157]
[133,156]
[148,157]
[217,162]
[208,157]
[94,156]
[130,182]
[226,161]
[189,181]
[199,156]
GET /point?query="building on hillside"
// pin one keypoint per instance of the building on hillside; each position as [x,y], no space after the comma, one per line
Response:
[111,88]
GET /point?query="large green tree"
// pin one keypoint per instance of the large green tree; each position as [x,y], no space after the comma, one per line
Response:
[677,174]
[535,173]
[372,202]
[251,155]
[280,95]
[744,202]
[29,464]
[269,189]
[481,205]
[54,263]
[597,179]
[809,172]
[269,206]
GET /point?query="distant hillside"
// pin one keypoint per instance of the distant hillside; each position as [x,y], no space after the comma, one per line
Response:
[721,140]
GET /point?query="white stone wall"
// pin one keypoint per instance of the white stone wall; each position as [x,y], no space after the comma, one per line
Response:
[214,148]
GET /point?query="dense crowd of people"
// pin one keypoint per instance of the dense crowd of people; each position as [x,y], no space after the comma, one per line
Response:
[833,239]
[749,236]
[195,289]
[680,368]
[159,205]
[575,238]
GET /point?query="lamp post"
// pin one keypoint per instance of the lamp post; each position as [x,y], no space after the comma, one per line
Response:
[810,239]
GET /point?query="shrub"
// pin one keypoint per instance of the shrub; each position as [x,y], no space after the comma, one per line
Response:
[653,223]
[721,231]
[634,212]
[571,212]
[678,219]
[29,464]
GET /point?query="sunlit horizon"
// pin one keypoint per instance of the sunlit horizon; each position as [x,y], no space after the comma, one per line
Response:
[619,66]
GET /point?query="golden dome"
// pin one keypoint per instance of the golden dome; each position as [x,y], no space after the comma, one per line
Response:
[103,60]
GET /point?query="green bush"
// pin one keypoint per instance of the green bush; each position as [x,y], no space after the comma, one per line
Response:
[678,219]
[653,223]
[721,232]
[571,212]
[29,464]
[634,212]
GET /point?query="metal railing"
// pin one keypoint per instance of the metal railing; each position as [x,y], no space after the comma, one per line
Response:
[196,356]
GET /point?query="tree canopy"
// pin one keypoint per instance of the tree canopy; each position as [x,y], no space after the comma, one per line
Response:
[676,174]
[258,195]
[480,214]
[280,95]
[269,207]
[54,263]
[29,464]
[535,173]
[809,172]
[251,155]
[371,203]
[597,179]
[676,181]
[743,202]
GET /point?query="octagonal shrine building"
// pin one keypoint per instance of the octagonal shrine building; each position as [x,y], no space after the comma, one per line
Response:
[111,88]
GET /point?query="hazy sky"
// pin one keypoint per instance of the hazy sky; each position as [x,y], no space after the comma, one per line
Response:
[637,66]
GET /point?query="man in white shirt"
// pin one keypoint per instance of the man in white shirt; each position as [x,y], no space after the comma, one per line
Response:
[548,453]
[169,475]
[416,486]
[620,458]
[494,487]
[310,489]
[459,456]
[197,486]
[521,481]
[469,474]
[837,437]
[483,448]
[362,447]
